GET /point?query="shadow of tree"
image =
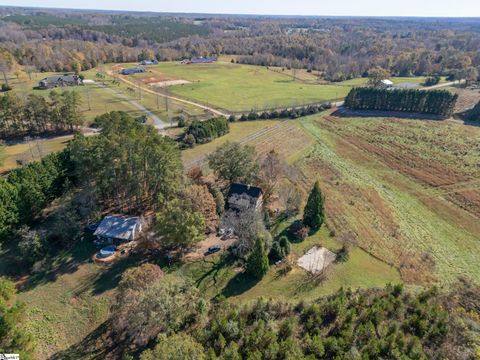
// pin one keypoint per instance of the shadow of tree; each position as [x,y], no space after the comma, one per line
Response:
[97,345]
[239,284]
[109,278]
[64,262]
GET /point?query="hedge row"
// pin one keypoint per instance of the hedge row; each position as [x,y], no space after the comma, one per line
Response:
[437,102]
[282,114]
[199,132]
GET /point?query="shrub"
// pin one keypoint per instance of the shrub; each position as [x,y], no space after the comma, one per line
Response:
[6,88]
[232,118]
[243,117]
[181,121]
[257,263]
[252,116]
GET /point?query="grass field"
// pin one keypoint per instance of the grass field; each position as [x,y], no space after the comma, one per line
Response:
[237,87]
[31,151]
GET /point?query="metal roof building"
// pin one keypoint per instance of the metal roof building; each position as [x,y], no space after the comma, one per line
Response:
[119,227]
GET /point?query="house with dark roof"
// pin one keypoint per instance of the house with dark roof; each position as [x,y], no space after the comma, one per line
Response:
[242,196]
[119,229]
[54,81]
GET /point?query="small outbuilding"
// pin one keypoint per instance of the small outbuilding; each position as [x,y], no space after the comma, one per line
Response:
[242,196]
[119,229]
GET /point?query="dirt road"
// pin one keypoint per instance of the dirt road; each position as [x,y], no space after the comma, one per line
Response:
[170,97]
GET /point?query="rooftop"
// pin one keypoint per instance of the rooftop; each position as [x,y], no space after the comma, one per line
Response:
[118,227]
[241,189]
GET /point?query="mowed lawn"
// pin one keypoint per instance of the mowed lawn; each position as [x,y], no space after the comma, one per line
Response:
[238,87]
[361,270]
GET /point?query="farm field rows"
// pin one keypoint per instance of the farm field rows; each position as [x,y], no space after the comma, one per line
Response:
[238,88]
[404,190]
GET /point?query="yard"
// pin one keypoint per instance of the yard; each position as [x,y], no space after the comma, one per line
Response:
[238,88]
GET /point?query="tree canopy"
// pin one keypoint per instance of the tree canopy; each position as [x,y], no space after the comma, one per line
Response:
[233,162]
[129,164]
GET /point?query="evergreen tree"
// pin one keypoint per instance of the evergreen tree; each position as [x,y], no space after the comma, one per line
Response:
[257,263]
[314,212]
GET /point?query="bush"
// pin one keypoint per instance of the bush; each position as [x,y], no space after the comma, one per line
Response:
[243,117]
[280,249]
[6,88]
[343,254]
[252,116]
[181,121]
[232,118]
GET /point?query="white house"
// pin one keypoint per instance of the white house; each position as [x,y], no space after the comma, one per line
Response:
[119,229]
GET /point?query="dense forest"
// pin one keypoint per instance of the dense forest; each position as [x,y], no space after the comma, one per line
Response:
[339,48]
[373,324]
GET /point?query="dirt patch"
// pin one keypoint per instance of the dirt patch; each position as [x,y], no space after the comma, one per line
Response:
[168,83]
[198,252]
[316,260]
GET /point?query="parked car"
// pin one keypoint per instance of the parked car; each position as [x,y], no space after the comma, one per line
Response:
[213,249]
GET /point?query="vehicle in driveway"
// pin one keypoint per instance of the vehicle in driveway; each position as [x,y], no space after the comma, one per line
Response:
[213,249]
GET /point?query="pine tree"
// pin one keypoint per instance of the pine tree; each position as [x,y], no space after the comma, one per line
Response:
[257,263]
[314,212]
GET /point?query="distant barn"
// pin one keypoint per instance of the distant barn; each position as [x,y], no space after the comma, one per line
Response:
[132,71]
[149,62]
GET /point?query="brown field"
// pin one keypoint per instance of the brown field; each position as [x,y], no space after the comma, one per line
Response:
[407,191]
[466,98]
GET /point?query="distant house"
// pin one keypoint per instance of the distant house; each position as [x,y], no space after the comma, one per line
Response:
[386,83]
[132,71]
[149,62]
[200,60]
[54,81]
[119,229]
[242,196]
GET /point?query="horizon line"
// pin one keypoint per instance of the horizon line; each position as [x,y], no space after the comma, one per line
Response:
[245,14]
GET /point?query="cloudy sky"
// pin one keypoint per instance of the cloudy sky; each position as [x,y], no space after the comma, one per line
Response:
[470,8]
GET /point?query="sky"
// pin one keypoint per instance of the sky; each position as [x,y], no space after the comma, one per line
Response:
[434,8]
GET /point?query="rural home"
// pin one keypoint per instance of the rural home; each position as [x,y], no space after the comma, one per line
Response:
[200,60]
[242,196]
[51,82]
[386,83]
[119,229]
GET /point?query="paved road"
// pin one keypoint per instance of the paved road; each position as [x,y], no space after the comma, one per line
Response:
[157,122]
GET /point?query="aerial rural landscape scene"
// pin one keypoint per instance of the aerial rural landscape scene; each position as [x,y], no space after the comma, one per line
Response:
[194,184]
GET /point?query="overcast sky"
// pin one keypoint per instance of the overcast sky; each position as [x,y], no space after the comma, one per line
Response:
[469,8]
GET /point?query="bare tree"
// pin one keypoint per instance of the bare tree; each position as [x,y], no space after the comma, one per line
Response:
[247,225]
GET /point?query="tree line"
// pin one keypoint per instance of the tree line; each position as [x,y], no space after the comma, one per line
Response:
[437,102]
[27,190]
[38,114]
